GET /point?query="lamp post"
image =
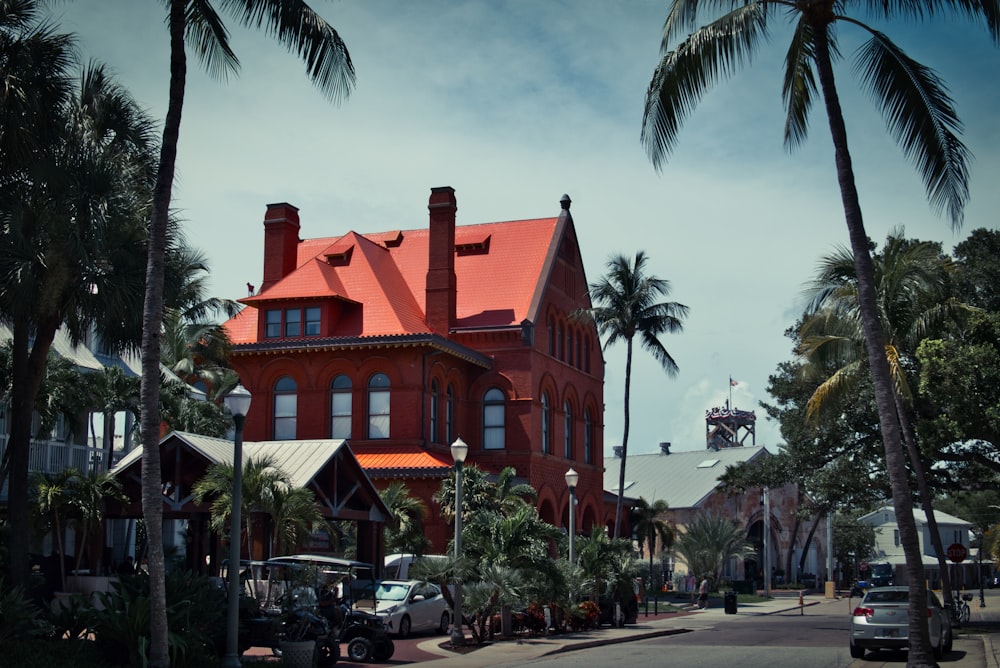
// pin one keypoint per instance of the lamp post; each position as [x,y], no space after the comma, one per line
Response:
[238,403]
[458,452]
[572,477]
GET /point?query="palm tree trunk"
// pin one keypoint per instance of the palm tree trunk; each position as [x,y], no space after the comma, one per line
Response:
[917,463]
[919,638]
[621,465]
[28,368]
[152,318]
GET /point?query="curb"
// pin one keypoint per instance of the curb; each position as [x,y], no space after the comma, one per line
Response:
[588,644]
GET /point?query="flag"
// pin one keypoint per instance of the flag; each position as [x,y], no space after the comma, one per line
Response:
[733,383]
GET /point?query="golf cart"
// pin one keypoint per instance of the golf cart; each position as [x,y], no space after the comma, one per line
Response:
[323,598]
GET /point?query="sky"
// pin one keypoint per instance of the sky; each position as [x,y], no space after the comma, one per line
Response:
[514,103]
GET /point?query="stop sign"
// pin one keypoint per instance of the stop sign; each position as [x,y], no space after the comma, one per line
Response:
[957,552]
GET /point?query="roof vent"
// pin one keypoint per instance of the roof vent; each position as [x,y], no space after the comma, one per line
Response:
[617,449]
[664,447]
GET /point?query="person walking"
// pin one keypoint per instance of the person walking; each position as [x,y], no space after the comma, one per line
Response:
[703,594]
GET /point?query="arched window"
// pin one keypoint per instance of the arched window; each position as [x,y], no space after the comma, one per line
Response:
[434,412]
[378,406]
[588,437]
[579,351]
[494,437]
[568,430]
[285,408]
[586,354]
[559,340]
[449,415]
[340,407]
[546,424]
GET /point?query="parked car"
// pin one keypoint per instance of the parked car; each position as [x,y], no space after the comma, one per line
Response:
[411,605]
[881,621]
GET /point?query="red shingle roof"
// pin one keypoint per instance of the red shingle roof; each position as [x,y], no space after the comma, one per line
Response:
[498,269]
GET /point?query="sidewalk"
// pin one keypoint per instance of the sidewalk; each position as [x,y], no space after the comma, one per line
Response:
[978,650]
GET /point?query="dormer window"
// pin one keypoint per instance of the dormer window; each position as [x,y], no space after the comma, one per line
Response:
[292,323]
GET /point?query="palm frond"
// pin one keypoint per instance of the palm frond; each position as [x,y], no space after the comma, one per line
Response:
[920,116]
[296,26]
[799,86]
[684,75]
[210,38]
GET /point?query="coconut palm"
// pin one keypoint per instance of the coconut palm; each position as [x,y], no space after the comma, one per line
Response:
[197,24]
[919,114]
[709,541]
[596,553]
[50,504]
[74,187]
[293,514]
[650,525]
[913,282]
[625,305]
[406,535]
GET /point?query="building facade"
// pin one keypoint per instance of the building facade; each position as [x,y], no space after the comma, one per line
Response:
[403,341]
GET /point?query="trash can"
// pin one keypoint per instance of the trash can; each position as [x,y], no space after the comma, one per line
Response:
[730,600]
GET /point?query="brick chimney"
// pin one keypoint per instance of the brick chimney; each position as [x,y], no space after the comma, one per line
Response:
[281,242]
[441,283]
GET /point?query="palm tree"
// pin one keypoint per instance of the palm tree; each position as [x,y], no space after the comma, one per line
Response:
[650,525]
[709,541]
[293,514]
[329,66]
[50,505]
[74,187]
[919,114]
[408,512]
[914,299]
[625,306]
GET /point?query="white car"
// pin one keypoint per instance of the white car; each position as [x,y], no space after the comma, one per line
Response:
[881,620]
[411,605]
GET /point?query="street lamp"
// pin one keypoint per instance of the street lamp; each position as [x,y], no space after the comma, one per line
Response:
[459,450]
[238,403]
[572,477]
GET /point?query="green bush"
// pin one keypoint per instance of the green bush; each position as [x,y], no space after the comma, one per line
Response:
[196,615]
[20,617]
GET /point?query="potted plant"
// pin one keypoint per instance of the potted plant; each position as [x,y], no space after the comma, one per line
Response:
[298,618]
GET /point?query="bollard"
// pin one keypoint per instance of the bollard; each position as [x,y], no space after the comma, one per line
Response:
[802,609]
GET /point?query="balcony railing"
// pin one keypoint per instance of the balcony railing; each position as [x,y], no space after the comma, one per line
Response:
[55,456]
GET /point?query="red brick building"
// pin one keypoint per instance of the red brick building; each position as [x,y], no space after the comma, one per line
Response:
[402,341]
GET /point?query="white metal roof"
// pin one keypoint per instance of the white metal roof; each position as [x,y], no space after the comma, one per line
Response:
[682,479]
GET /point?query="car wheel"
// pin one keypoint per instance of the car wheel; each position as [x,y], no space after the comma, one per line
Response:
[404,626]
[857,652]
[949,642]
[445,622]
[384,649]
[360,650]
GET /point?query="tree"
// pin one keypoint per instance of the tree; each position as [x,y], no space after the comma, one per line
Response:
[919,115]
[296,26]
[650,525]
[406,535]
[708,542]
[625,305]
[913,286]
[74,186]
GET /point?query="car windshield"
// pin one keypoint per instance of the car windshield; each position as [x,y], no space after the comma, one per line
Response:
[391,592]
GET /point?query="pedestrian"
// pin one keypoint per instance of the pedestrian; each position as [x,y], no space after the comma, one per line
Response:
[703,593]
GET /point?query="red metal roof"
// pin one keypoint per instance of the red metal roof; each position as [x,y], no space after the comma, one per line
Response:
[410,458]
[498,270]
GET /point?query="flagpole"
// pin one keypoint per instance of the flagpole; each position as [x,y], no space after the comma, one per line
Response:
[730,394]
